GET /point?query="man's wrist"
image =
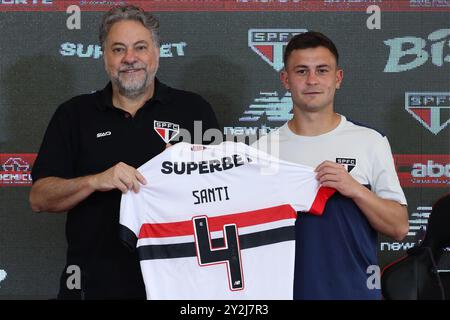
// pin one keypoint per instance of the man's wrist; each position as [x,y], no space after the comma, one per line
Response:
[361,193]
[91,182]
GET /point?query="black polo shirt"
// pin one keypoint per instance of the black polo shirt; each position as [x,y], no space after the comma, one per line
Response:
[88,135]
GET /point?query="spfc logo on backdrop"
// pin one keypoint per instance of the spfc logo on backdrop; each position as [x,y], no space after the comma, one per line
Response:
[166,130]
[269,44]
[431,109]
[348,163]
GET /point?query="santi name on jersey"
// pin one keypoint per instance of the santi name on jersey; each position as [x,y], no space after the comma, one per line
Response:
[211,195]
[203,167]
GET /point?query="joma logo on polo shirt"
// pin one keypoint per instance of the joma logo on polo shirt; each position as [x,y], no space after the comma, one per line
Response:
[103,134]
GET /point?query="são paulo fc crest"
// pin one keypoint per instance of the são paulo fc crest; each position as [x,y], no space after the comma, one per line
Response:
[166,130]
[348,163]
[431,109]
[269,44]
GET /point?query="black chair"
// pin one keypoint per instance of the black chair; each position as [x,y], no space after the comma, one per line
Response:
[415,276]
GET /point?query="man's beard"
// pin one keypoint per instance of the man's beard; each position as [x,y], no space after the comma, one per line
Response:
[134,86]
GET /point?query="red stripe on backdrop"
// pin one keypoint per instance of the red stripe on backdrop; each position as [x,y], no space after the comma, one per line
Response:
[229,5]
[244,219]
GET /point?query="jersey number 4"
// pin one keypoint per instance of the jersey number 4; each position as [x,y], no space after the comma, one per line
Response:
[229,253]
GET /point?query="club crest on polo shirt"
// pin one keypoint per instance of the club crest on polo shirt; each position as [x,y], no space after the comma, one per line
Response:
[348,163]
[166,130]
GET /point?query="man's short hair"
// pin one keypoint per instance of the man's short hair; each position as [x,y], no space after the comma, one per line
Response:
[129,12]
[310,39]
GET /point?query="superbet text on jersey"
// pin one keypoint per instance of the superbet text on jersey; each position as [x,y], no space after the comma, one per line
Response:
[213,224]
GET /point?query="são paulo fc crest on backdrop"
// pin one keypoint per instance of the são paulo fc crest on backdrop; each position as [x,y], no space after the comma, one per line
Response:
[269,44]
[166,130]
[431,109]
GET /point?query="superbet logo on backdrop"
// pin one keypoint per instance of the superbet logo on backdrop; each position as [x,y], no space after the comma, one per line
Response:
[15,169]
[80,50]
[423,170]
[269,44]
[408,53]
[69,49]
[431,109]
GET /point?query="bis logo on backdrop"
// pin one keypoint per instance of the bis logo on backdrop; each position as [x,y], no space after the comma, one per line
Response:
[408,53]
[431,109]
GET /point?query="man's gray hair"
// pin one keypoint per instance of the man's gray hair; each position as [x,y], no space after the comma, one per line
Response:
[129,12]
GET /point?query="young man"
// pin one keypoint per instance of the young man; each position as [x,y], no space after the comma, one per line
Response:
[95,142]
[334,250]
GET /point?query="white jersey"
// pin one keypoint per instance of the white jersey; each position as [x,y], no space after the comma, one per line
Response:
[365,153]
[217,222]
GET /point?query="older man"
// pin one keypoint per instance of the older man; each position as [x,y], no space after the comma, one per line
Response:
[93,145]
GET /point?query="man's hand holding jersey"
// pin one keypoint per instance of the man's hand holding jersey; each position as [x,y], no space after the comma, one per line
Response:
[54,194]
[335,175]
[121,176]
[386,216]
